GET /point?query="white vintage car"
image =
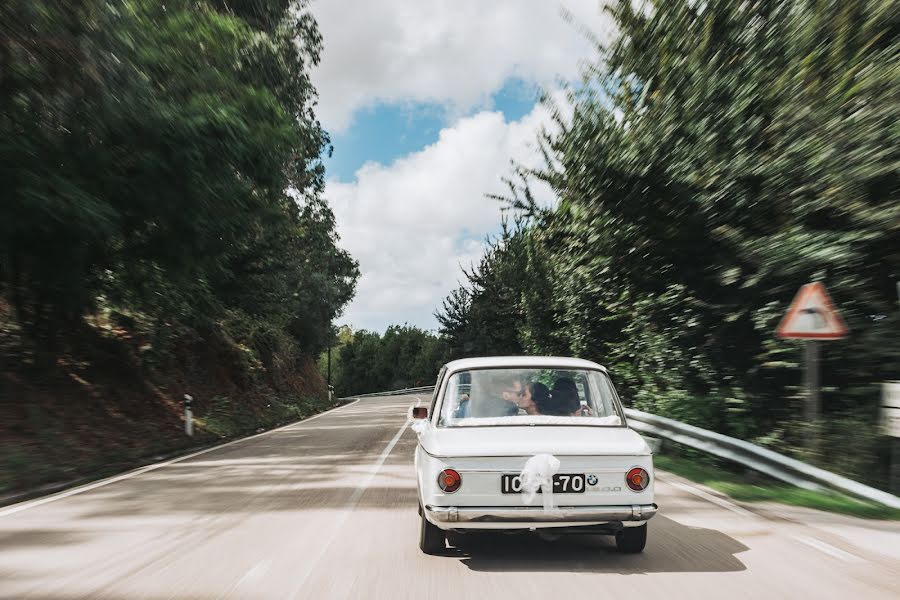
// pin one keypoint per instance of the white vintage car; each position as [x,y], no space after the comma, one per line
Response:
[530,443]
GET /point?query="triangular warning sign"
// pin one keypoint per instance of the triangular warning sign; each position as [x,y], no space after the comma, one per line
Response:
[812,316]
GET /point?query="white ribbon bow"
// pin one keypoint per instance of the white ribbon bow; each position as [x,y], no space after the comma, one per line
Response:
[538,474]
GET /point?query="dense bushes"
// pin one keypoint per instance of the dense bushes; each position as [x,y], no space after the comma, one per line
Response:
[403,357]
[164,159]
[718,155]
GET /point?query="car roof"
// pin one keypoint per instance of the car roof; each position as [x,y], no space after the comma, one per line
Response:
[496,362]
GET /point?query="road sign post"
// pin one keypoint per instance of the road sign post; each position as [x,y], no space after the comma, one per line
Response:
[895,466]
[890,423]
[812,318]
[812,408]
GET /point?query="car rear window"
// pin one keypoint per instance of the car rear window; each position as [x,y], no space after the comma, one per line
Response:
[544,396]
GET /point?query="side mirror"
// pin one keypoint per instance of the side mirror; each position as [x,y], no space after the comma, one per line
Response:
[420,412]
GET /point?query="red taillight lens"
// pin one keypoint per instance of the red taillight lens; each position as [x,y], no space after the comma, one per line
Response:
[449,480]
[637,479]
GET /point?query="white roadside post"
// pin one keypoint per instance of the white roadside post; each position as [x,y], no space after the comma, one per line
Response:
[188,415]
[812,317]
[890,422]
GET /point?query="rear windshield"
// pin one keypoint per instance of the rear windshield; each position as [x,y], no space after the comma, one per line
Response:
[549,396]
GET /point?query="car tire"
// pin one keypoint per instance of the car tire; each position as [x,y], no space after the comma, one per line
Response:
[631,540]
[431,538]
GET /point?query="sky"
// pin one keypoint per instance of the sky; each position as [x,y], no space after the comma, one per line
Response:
[427,102]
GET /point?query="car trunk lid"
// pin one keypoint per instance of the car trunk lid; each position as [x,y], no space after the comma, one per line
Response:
[530,440]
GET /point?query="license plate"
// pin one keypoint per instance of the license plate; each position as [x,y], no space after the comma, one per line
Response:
[562,484]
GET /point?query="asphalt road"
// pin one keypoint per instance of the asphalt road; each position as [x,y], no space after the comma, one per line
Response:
[326,508]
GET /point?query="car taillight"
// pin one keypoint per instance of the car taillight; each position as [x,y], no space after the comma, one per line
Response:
[449,480]
[637,479]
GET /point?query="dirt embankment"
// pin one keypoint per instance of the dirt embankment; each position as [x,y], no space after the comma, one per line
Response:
[110,400]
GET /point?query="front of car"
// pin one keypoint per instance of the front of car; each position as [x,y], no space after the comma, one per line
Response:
[516,443]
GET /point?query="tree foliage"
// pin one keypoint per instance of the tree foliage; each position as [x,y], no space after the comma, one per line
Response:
[403,357]
[164,158]
[718,156]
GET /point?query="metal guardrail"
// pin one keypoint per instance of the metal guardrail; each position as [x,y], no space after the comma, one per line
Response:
[750,455]
[418,390]
[754,457]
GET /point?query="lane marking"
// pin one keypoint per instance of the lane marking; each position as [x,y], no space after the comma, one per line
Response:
[361,488]
[254,572]
[710,498]
[828,549]
[15,508]
[809,541]
[351,504]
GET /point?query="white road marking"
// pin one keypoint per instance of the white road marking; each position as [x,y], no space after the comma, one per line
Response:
[15,508]
[811,542]
[828,549]
[254,572]
[373,470]
[309,565]
[710,498]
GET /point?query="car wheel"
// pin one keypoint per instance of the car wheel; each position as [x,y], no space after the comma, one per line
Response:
[431,538]
[631,540]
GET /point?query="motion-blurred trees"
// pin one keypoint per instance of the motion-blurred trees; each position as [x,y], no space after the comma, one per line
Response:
[164,158]
[483,318]
[719,155]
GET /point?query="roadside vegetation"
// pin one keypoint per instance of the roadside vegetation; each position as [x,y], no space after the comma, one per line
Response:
[365,361]
[718,156]
[715,157]
[162,229]
[750,486]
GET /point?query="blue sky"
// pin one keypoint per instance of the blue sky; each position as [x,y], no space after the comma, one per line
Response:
[387,131]
[427,103]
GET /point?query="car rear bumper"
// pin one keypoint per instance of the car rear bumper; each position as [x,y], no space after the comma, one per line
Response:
[536,514]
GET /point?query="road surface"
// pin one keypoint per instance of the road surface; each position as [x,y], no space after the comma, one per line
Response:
[326,508]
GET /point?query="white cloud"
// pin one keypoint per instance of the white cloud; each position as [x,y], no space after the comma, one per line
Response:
[411,224]
[454,53]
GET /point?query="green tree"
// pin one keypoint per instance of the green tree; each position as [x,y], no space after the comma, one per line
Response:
[483,317]
[165,158]
[404,356]
[718,156]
